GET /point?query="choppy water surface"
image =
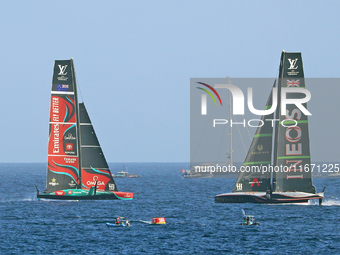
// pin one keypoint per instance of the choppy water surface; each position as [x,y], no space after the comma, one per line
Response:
[195,223]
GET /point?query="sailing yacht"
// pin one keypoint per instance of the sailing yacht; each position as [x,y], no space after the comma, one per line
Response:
[77,168]
[275,169]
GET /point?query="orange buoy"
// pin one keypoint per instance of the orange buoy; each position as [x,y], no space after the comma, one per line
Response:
[159,220]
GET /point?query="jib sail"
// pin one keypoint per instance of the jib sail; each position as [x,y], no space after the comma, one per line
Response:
[95,170]
[252,177]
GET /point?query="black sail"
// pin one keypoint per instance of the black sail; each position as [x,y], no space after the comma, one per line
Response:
[63,144]
[292,157]
[253,176]
[95,170]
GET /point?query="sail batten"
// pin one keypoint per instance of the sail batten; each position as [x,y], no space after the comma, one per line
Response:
[61,93]
[263,135]
[55,122]
[256,162]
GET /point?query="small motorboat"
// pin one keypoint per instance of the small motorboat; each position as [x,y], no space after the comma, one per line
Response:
[123,174]
[248,219]
[120,174]
[119,223]
[115,225]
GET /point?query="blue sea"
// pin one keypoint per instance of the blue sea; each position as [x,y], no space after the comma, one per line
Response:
[195,224]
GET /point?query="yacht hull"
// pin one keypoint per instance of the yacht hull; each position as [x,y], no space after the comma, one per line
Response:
[79,194]
[261,198]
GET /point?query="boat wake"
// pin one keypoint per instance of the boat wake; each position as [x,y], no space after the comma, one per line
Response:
[325,202]
[29,197]
[145,222]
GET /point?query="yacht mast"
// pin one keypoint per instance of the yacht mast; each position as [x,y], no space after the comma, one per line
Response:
[231,128]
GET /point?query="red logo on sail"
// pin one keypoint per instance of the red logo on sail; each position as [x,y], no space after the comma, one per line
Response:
[60,193]
[69,146]
[255,180]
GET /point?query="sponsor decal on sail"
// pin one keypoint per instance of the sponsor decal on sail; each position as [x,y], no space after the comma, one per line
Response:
[69,136]
[69,146]
[292,66]
[293,83]
[60,193]
[70,160]
[255,181]
[62,87]
[259,150]
[239,186]
[56,138]
[72,184]
[293,63]
[62,72]
[93,182]
[53,182]
[55,109]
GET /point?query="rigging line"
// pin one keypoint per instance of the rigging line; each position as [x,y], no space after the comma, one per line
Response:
[205,128]
[77,84]
[81,95]
[221,142]
[278,71]
[222,139]
[247,128]
[239,131]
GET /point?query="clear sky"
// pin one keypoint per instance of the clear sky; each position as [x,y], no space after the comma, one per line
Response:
[134,61]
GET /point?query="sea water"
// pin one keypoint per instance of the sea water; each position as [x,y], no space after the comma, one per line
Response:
[195,224]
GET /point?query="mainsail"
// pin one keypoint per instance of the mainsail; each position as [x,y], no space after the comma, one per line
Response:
[63,145]
[259,154]
[292,139]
